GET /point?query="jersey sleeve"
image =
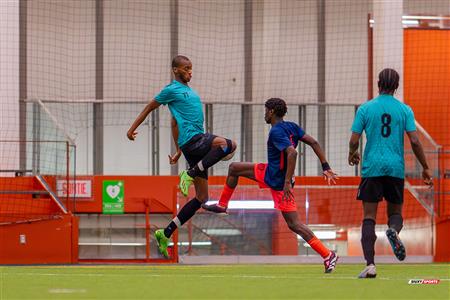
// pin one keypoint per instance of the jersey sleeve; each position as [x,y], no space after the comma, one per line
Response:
[165,96]
[359,121]
[410,122]
[301,132]
[280,140]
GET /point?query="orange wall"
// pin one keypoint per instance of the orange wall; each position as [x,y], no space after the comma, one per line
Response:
[47,242]
[427,91]
[427,80]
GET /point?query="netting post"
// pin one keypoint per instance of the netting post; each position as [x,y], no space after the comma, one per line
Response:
[360,148]
[98,107]
[36,138]
[321,78]
[302,122]
[155,142]
[173,52]
[23,87]
[209,126]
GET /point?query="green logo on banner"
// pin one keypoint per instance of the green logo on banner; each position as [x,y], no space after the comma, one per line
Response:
[113,196]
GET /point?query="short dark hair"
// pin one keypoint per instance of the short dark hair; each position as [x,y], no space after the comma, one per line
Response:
[278,105]
[388,80]
[176,61]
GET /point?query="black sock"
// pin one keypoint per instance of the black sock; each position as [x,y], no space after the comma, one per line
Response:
[186,212]
[211,158]
[368,238]
[395,221]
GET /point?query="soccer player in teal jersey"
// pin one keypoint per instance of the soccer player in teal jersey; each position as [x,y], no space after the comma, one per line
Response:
[384,120]
[201,150]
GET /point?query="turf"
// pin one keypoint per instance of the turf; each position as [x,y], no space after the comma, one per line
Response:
[221,282]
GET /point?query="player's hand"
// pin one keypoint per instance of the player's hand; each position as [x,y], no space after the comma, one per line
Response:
[287,192]
[173,159]
[427,178]
[131,134]
[354,159]
[330,176]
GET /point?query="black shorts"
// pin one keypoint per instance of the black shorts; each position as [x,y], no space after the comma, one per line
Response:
[196,149]
[374,189]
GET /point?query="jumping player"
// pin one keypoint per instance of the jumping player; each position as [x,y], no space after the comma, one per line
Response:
[201,150]
[278,174]
[384,120]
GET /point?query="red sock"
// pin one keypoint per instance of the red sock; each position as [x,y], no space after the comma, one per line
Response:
[225,196]
[317,245]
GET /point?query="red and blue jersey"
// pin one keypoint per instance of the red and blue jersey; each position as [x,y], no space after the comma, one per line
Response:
[281,136]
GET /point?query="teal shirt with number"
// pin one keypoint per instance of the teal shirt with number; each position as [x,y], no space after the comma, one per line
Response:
[186,107]
[384,120]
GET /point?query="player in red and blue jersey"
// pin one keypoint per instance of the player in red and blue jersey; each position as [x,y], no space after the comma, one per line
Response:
[278,175]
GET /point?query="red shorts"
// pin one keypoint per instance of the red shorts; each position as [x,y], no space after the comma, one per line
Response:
[277,196]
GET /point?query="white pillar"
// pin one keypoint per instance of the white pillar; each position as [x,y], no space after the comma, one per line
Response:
[388,40]
[9,83]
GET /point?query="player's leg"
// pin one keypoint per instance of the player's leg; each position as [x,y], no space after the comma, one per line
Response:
[393,193]
[220,147]
[368,238]
[370,192]
[186,212]
[212,149]
[293,221]
[235,170]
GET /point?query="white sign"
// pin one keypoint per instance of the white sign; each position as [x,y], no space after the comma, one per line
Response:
[78,188]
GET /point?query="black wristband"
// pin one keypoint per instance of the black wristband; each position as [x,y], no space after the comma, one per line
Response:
[325,166]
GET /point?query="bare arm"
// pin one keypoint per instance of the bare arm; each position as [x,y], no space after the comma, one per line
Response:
[174,127]
[291,160]
[327,171]
[310,141]
[353,154]
[151,106]
[291,154]
[418,152]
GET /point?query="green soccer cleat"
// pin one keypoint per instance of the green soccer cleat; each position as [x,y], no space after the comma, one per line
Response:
[185,182]
[163,242]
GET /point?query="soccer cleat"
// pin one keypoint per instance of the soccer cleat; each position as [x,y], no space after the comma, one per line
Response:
[397,246]
[163,242]
[330,262]
[185,182]
[369,272]
[215,208]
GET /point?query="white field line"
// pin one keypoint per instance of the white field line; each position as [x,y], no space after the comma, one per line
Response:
[66,291]
[310,276]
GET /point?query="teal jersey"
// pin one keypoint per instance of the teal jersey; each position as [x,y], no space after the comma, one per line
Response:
[384,120]
[185,106]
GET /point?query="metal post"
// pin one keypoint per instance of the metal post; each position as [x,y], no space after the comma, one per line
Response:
[173,52]
[302,123]
[209,126]
[98,107]
[36,138]
[246,112]
[22,85]
[321,52]
[155,142]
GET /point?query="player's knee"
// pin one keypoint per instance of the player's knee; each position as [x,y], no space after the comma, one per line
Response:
[294,226]
[233,169]
[233,146]
[202,197]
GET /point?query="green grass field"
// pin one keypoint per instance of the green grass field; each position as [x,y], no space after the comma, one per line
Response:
[221,282]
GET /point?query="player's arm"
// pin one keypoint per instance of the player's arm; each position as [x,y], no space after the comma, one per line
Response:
[353,154]
[327,171]
[291,155]
[151,106]
[175,132]
[420,155]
